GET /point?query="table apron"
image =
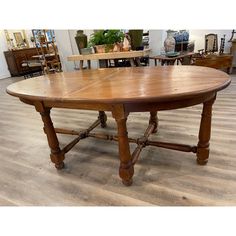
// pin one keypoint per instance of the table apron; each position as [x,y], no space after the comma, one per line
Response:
[128,106]
[168,105]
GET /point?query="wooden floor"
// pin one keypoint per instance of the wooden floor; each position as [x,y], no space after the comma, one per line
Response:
[162,177]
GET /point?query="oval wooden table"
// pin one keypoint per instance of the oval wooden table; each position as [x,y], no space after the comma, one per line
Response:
[121,91]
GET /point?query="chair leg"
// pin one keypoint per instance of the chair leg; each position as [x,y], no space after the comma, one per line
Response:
[153,119]
[205,133]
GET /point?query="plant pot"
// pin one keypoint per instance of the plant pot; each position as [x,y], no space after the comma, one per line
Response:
[99,48]
[104,48]
[109,47]
[86,51]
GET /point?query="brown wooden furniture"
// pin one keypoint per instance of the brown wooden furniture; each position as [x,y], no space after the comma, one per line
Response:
[122,91]
[217,61]
[16,58]
[131,55]
[48,52]
[211,43]
[165,60]
[233,52]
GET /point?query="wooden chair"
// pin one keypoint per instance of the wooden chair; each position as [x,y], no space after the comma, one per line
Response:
[211,44]
[36,65]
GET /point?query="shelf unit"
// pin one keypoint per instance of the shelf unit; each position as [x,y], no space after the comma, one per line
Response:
[47,50]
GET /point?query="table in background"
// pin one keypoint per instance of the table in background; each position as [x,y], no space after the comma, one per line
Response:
[132,56]
[123,91]
[171,60]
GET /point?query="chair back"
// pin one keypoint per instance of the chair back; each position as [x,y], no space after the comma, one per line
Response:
[211,43]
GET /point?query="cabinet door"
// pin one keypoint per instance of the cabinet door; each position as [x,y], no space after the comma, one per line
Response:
[20,57]
[233,51]
[11,63]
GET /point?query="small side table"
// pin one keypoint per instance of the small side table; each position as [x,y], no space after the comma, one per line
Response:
[165,60]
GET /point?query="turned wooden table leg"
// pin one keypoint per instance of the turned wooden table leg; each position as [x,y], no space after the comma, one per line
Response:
[81,63]
[89,64]
[205,133]
[155,60]
[132,63]
[103,118]
[153,119]
[137,59]
[126,170]
[57,156]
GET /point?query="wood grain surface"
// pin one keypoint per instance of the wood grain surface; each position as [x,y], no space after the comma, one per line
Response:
[110,55]
[114,85]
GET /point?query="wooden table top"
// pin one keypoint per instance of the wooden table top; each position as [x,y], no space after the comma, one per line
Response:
[110,55]
[122,85]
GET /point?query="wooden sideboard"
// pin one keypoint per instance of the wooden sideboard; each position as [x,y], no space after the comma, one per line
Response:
[15,60]
[217,61]
[233,52]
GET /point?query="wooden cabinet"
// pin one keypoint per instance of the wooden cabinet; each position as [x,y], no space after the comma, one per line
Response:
[16,58]
[45,41]
[220,61]
[233,52]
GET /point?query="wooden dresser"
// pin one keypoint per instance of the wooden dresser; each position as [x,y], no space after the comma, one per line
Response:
[217,61]
[15,59]
[233,52]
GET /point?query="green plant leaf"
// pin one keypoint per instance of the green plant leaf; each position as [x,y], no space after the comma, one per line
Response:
[106,37]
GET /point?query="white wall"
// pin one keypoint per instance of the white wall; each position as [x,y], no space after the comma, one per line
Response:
[155,43]
[4,72]
[29,34]
[64,49]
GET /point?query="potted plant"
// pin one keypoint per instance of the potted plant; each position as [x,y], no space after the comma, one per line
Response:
[105,40]
[97,41]
[114,39]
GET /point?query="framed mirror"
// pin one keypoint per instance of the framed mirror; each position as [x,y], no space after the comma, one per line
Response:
[19,39]
[16,39]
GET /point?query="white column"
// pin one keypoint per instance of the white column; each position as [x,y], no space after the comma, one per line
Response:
[64,49]
[155,43]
